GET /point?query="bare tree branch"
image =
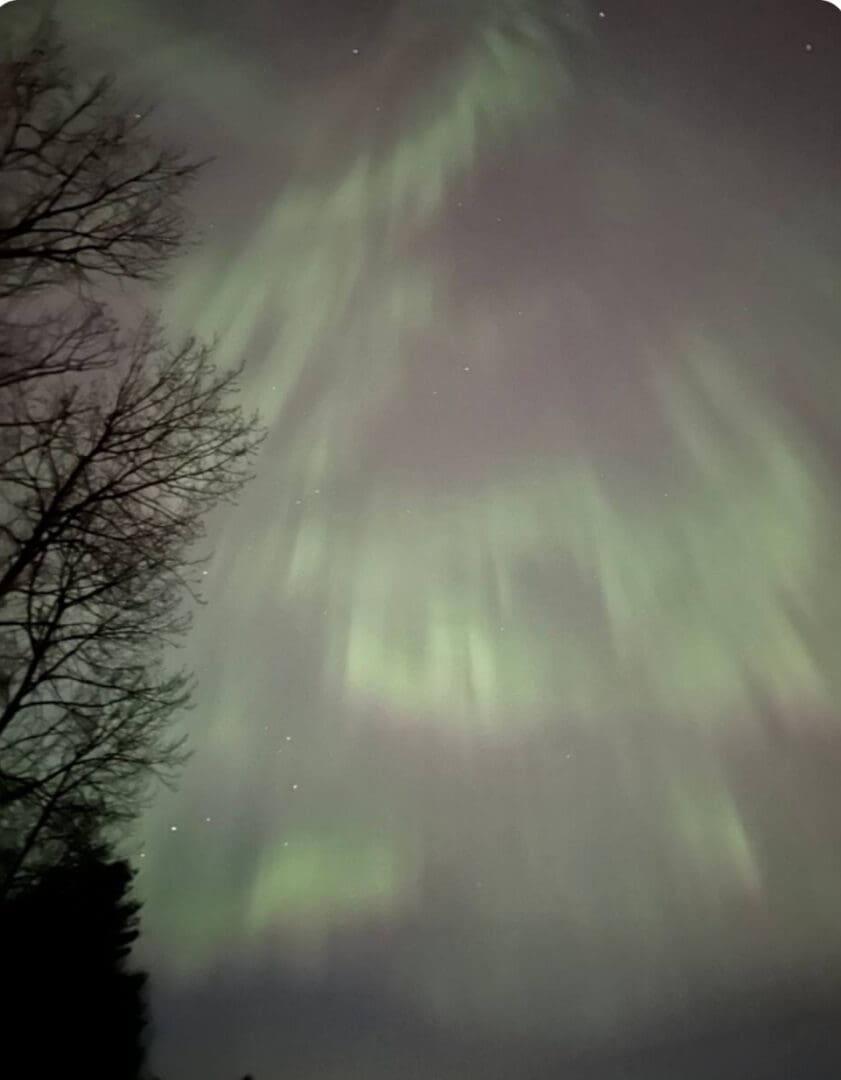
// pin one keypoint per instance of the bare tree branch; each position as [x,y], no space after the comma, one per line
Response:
[113,448]
[80,337]
[83,191]
[103,488]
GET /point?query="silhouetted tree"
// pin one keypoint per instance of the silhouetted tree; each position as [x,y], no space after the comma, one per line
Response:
[73,337]
[85,195]
[70,1005]
[112,449]
[102,494]
[83,191]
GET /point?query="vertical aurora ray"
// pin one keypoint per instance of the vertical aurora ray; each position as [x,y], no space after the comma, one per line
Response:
[536,541]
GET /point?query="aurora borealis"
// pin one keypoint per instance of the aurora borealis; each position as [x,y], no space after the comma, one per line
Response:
[518,685]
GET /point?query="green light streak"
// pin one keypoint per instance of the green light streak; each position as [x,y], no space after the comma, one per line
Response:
[318,880]
[503,600]
[432,613]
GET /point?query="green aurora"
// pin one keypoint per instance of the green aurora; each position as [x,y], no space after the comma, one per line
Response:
[466,623]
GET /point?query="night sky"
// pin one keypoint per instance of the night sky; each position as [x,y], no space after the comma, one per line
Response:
[516,739]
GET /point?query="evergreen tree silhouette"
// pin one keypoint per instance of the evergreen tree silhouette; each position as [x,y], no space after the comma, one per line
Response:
[70,1005]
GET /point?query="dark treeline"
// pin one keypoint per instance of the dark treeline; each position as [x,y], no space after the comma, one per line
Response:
[71,1006]
[114,446]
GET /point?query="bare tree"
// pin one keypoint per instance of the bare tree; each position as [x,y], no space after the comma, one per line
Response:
[83,191]
[103,488]
[106,468]
[78,337]
[85,196]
